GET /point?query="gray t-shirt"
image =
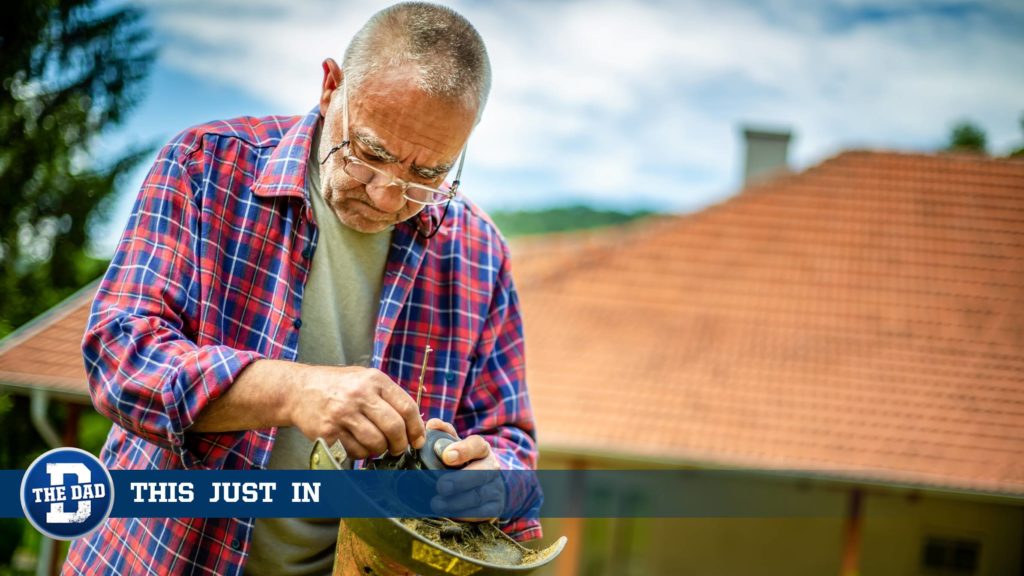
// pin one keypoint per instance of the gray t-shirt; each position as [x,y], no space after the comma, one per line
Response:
[339,315]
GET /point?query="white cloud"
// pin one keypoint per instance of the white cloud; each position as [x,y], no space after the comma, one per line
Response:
[611,100]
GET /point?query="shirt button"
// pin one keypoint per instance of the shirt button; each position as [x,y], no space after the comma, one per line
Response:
[297,323]
[450,376]
[236,545]
[307,253]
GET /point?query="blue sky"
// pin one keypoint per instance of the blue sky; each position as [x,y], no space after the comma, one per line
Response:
[621,104]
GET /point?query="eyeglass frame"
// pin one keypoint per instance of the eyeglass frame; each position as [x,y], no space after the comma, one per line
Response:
[350,158]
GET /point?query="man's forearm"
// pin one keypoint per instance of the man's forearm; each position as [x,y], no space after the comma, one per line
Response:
[258,398]
[360,407]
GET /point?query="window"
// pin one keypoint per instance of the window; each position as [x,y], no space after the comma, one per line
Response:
[950,556]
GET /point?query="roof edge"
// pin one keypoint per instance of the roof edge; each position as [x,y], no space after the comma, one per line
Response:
[944,154]
[66,395]
[44,320]
[868,478]
[782,177]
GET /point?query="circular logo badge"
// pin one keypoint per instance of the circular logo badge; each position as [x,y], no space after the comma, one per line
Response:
[67,493]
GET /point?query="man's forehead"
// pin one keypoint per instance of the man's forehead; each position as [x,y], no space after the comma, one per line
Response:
[396,94]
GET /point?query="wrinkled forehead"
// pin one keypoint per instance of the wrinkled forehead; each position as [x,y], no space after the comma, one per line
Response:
[399,119]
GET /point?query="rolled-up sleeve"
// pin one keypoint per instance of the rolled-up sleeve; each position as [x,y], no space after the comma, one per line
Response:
[147,370]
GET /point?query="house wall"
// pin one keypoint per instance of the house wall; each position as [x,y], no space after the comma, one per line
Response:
[895,527]
[711,546]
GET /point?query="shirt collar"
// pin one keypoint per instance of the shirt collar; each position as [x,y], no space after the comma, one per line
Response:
[285,171]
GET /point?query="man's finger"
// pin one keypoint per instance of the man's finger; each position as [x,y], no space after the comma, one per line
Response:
[367,434]
[464,451]
[405,406]
[459,481]
[438,424]
[390,424]
[354,450]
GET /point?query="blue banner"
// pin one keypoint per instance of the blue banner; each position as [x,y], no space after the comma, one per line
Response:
[453,493]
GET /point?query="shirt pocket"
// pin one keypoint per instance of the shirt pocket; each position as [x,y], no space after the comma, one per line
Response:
[444,383]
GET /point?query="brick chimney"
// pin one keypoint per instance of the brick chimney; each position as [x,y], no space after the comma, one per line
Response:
[766,153]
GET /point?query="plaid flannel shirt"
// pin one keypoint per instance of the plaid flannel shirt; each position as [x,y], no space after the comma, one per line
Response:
[209,277]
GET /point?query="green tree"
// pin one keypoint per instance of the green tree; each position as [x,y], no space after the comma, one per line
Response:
[70,70]
[967,137]
[560,219]
[1019,152]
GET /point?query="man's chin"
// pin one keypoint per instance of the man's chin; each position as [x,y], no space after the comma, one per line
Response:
[363,224]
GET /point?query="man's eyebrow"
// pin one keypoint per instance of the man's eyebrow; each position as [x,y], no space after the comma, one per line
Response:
[431,172]
[426,172]
[378,149]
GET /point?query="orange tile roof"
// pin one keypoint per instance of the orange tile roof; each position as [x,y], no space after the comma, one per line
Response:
[46,353]
[863,318]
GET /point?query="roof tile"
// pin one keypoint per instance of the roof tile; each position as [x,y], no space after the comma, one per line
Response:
[863,318]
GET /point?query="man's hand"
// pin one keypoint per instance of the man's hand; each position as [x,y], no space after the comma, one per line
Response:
[477,497]
[360,407]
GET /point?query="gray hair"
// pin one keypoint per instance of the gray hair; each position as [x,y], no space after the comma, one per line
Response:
[447,53]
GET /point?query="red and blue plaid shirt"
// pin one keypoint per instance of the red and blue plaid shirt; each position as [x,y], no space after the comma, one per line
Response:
[209,277]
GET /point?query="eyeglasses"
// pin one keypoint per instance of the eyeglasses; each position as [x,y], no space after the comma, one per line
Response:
[369,175]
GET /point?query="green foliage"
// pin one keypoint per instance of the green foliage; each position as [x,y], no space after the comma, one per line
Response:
[967,137]
[69,71]
[19,442]
[560,219]
[19,445]
[1019,152]
[10,536]
[10,528]
[92,431]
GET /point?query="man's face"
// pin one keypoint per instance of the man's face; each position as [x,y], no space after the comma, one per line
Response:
[392,126]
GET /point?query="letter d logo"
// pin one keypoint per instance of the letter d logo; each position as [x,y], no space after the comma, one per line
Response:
[67,493]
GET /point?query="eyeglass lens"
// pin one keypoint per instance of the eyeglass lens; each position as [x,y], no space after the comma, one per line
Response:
[416,192]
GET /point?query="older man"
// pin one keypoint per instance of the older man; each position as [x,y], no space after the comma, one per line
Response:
[280,279]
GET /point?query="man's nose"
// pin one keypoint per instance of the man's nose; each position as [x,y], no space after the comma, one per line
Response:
[386,198]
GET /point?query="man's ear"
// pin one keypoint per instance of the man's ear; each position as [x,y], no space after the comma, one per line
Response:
[333,77]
